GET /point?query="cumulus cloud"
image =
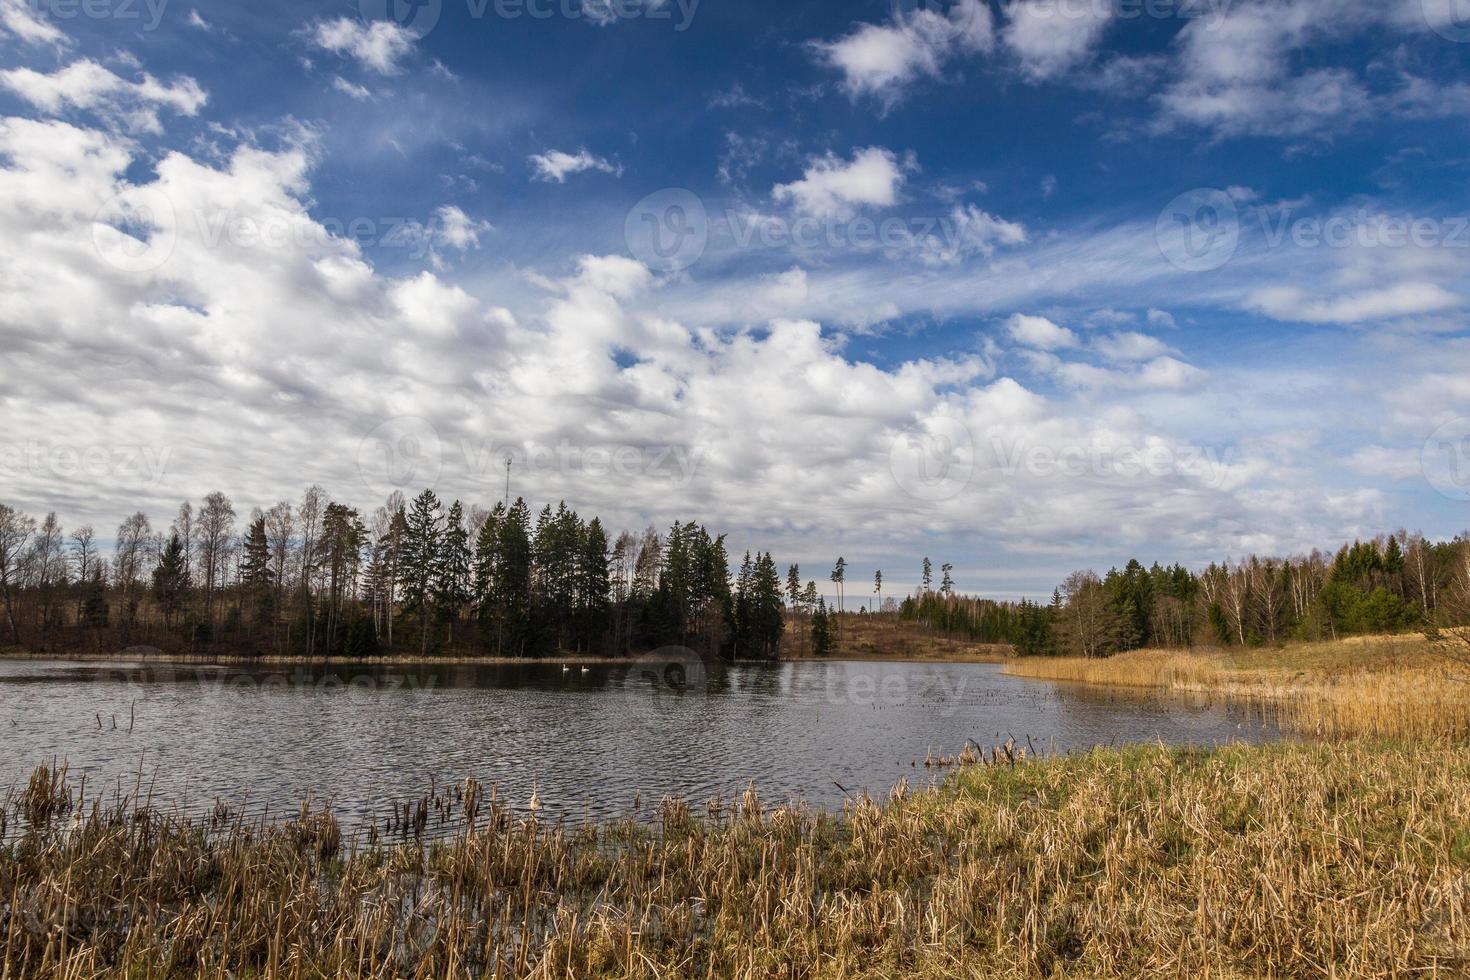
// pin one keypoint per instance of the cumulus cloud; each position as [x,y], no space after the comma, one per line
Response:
[377,46]
[883,59]
[556,165]
[831,187]
[1237,70]
[1129,345]
[88,86]
[1039,332]
[1049,37]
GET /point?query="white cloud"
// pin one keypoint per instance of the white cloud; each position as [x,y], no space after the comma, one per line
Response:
[1129,345]
[457,230]
[19,18]
[1049,37]
[968,231]
[1401,299]
[88,86]
[352,91]
[883,59]
[197,21]
[835,188]
[556,165]
[1237,71]
[378,46]
[1039,332]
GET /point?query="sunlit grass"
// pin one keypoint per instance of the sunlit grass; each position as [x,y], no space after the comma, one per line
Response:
[1382,686]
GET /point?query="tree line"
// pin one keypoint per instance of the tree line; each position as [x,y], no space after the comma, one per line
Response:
[1391,583]
[317,577]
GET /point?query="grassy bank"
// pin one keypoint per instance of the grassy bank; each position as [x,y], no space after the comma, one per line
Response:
[1382,686]
[1294,860]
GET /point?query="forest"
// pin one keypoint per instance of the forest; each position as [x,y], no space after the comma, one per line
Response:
[1389,584]
[317,578]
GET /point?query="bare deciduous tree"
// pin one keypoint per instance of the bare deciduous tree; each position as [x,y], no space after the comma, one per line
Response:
[15,530]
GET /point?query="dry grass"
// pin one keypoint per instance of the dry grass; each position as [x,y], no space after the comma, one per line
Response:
[1296,860]
[887,637]
[1384,686]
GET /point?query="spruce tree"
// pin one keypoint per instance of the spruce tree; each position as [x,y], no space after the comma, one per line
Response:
[451,587]
[418,560]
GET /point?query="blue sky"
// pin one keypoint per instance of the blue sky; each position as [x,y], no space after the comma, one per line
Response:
[1026,287]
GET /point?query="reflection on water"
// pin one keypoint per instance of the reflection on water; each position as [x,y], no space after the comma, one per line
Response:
[599,740]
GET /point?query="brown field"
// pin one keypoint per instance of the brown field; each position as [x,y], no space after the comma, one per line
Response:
[1377,686]
[886,637]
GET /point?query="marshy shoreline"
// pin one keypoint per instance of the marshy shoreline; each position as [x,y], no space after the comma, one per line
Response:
[1295,859]
[1345,854]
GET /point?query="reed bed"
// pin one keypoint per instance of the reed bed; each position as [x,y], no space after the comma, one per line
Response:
[1377,687]
[1294,860]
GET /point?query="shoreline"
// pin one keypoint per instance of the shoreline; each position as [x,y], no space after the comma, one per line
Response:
[336,660]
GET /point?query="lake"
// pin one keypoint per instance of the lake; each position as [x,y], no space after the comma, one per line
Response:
[601,741]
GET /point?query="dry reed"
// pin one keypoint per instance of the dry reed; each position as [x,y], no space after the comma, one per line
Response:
[1380,687]
[1294,860]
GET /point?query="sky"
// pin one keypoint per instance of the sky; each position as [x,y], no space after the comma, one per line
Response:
[1023,287]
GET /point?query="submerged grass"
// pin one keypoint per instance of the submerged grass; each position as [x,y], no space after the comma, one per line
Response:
[1294,860]
[1381,687]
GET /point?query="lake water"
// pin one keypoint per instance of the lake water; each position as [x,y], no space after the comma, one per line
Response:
[605,741]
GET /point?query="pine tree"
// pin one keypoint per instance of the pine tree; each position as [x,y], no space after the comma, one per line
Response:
[451,587]
[487,562]
[594,584]
[928,575]
[878,588]
[255,564]
[768,621]
[821,630]
[418,560]
[510,593]
[171,580]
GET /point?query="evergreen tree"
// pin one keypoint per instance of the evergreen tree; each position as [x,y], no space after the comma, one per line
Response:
[418,561]
[171,580]
[255,563]
[594,583]
[510,592]
[821,630]
[487,562]
[452,575]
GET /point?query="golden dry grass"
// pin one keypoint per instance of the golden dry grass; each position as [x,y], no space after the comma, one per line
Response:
[1296,860]
[1382,686]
